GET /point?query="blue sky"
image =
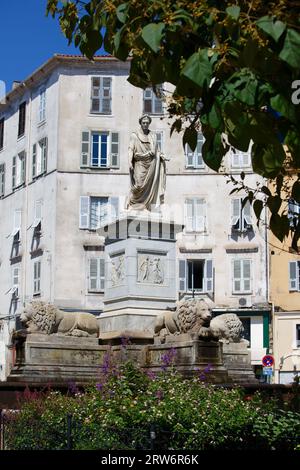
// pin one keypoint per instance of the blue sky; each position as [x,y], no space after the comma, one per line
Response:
[27,39]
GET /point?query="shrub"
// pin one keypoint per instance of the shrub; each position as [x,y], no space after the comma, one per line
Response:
[126,404]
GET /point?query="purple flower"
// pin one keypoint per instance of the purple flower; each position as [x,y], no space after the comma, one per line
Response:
[72,387]
[159,394]
[167,359]
[99,387]
[151,374]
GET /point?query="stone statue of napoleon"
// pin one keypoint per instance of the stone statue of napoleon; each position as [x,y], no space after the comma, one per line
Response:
[147,168]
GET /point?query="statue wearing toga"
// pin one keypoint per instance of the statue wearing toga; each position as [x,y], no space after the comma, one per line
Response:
[147,169]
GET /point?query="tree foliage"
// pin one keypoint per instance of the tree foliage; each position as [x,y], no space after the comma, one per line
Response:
[235,67]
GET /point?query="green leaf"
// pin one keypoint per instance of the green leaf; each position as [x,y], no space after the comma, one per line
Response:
[285,107]
[122,11]
[296,191]
[267,159]
[213,150]
[152,35]
[198,69]
[271,27]
[290,52]
[233,11]
[190,137]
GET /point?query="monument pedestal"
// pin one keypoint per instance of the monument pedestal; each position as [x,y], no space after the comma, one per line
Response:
[190,357]
[237,361]
[55,359]
[140,280]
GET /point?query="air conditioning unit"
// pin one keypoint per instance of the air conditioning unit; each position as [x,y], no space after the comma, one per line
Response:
[245,302]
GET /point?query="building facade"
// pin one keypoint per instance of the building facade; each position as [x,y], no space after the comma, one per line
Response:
[285,298]
[64,135]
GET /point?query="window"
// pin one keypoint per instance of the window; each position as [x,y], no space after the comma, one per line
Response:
[36,225]
[298,336]
[153,103]
[37,277]
[96,274]
[293,212]
[15,289]
[18,170]
[101,95]
[100,149]
[242,279]
[39,157]
[22,119]
[16,234]
[2,179]
[194,159]
[240,159]
[294,275]
[1,133]
[95,211]
[196,275]
[42,106]
[240,216]
[195,215]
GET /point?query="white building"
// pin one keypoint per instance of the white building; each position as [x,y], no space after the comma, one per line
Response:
[64,135]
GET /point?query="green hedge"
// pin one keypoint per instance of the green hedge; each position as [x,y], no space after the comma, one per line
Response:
[126,404]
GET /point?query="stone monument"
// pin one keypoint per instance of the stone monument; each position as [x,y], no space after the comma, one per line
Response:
[140,247]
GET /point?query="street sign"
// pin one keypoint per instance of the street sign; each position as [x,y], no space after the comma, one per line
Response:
[268,360]
[267,370]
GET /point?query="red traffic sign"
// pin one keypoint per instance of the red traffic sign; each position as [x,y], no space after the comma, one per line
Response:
[268,360]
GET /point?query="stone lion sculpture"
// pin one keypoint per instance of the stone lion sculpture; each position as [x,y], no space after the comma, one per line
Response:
[227,328]
[192,316]
[42,317]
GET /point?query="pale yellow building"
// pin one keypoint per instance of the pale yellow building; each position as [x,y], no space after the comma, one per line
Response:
[285,298]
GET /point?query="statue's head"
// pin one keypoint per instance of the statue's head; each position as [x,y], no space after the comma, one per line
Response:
[145,121]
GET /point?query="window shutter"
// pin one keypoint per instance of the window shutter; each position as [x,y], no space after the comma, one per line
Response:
[2,179]
[148,100]
[246,158]
[44,155]
[16,282]
[23,167]
[247,275]
[189,154]
[85,148]
[93,274]
[114,208]
[182,275]
[200,210]
[293,276]
[114,150]
[33,160]
[235,158]
[158,106]
[209,275]
[105,94]
[102,273]
[14,172]
[189,215]
[84,214]
[95,95]
[237,274]
[235,211]
[199,160]
[37,277]
[247,213]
